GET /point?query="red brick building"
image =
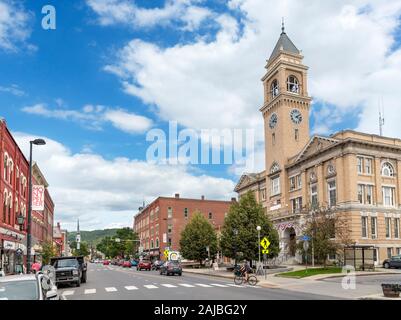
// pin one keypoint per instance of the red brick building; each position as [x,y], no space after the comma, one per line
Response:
[14,172]
[159,224]
[60,240]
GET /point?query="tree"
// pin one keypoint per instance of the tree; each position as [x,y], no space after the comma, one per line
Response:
[48,252]
[196,237]
[124,248]
[244,217]
[329,232]
[82,251]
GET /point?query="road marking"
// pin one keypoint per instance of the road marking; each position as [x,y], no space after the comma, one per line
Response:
[186,285]
[233,285]
[218,285]
[203,285]
[150,286]
[111,289]
[90,291]
[168,285]
[131,288]
[68,293]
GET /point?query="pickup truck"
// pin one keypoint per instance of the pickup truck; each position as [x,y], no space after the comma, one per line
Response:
[71,270]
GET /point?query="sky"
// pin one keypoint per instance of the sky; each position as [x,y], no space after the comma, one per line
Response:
[114,70]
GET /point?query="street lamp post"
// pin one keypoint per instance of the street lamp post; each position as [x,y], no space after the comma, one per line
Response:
[258,228]
[38,142]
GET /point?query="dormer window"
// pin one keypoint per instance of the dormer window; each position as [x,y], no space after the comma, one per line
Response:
[275,89]
[292,84]
[387,170]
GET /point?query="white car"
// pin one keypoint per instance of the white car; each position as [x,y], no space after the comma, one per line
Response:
[28,287]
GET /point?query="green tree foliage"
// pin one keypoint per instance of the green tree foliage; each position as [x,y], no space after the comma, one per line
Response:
[329,233]
[48,252]
[82,251]
[244,217]
[197,235]
[125,248]
[94,237]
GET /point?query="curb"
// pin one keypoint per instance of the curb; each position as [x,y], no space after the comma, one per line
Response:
[358,275]
[208,274]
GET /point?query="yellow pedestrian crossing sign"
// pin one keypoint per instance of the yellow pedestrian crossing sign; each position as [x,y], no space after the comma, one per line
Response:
[166,253]
[265,243]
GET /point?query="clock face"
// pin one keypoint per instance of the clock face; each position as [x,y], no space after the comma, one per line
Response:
[273,121]
[296,116]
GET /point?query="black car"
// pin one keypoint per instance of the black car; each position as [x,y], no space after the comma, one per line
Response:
[393,262]
[171,268]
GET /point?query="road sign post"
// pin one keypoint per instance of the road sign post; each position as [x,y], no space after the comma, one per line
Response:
[306,247]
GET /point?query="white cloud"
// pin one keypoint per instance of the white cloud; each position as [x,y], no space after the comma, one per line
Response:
[93,117]
[14,25]
[216,84]
[126,12]
[101,192]
[128,122]
[13,89]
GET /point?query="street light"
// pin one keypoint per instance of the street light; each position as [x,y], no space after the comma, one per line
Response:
[37,142]
[259,228]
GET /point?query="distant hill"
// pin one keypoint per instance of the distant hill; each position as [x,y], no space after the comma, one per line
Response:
[94,236]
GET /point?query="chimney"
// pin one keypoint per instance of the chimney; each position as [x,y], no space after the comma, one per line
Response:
[203,197]
[177,195]
[58,225]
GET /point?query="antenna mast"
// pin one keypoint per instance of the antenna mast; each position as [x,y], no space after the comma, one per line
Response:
[381,116]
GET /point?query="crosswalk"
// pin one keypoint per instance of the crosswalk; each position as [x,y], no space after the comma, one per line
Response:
[69,292]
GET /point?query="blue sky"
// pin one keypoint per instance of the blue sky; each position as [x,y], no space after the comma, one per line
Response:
[192,61]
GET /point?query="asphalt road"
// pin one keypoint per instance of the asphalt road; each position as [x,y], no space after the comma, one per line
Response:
[117,283]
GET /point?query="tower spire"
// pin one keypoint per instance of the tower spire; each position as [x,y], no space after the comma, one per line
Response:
[282,25]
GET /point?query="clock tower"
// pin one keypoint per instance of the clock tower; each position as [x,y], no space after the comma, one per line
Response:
[286,115]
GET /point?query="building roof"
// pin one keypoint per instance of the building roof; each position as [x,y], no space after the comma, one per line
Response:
[285,44]
[249,179]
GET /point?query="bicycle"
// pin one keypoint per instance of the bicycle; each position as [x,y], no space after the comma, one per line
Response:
[239,279]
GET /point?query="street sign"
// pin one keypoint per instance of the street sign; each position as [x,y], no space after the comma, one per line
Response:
[166,253]
[306,245]
[265,243]
[19,252]
[305,238]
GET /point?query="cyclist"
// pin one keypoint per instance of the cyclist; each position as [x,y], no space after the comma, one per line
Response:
[246,269]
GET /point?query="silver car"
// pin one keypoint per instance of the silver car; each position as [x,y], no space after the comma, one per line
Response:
[28,287]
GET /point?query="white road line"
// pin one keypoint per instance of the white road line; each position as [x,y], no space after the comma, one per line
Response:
[233,285]
[203,285]
[68,293]
[111,289]
[186,285]
[219,285]
[90,291]
[131,288]
[150,286]
[168,285]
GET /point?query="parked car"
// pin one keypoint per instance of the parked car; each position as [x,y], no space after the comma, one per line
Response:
[28,287]
[134,263]
[157,264]
[144,265]
[106,262]
[393,262]
[120,262]
[70,270]
[171,268]
[126,264]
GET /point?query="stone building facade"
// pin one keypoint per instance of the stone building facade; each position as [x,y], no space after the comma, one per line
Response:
[351,173]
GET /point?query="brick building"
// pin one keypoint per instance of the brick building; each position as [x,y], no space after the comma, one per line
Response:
[60,240]
[353,174]
[159,224]
[14,172]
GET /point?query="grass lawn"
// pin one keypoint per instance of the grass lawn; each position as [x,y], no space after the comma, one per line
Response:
[310,272]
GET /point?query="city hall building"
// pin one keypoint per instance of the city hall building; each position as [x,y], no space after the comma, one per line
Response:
[353,174]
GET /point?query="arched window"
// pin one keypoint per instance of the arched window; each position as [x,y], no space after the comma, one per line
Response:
[292,84]
[157,242]
[274,168]
[151,244]
[387,169]
[210,215]
[275,89]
